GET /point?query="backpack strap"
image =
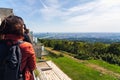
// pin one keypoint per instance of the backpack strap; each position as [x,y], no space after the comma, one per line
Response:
[19,55]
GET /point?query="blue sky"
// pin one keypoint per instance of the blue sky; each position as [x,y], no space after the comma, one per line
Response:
[67,15]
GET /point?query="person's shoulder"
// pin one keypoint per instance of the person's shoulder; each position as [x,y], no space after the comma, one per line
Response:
[25,44]
[27,48]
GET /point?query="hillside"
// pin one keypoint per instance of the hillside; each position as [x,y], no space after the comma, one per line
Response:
[85,69]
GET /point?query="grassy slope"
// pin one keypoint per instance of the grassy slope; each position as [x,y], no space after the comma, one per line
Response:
[78,70]
[112,67]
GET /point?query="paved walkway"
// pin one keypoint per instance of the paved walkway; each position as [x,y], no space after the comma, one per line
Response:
[49,71]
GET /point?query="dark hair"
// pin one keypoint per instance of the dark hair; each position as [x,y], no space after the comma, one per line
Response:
[26,30]
[12,25]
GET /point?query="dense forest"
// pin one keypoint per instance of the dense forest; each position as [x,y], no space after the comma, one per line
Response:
[84,50]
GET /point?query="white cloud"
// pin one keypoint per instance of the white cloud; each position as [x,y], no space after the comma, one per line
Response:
[82,7]
[31,2]
[52,10]
[44,5]
[104,16]
[98,16]
[110,3]
[53,3]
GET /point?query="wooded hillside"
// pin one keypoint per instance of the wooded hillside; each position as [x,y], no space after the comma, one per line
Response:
[84,50]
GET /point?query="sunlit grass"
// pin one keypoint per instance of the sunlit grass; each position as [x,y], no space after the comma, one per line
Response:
[77,70]
[112,67]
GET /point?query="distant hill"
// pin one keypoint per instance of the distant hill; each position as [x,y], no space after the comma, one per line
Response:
[89,37]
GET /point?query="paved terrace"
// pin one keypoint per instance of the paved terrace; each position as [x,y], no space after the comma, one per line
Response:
[49,71]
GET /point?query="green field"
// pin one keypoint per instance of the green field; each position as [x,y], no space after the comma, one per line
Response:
[112,67]
[80,70]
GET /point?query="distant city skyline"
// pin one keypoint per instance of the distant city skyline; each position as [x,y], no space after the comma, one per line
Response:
[67,15]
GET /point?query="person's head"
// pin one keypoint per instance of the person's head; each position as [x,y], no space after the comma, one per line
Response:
[26,30]
[12,25]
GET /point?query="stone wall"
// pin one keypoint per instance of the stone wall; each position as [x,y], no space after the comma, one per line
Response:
[4,12]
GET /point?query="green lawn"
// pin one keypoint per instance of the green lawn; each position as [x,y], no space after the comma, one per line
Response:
[79,71]
[112,67]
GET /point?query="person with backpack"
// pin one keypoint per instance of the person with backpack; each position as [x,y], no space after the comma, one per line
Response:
[12,28]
